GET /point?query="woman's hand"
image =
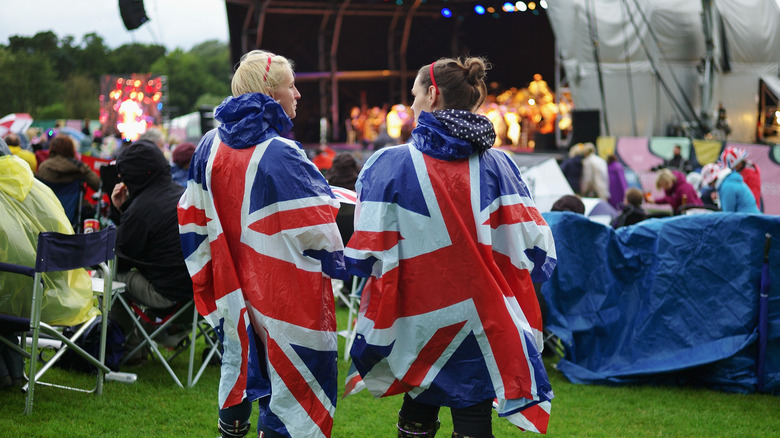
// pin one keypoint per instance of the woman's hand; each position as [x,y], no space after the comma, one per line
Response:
[119,195]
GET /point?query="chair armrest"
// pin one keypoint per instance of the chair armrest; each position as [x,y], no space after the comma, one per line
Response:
[17,269]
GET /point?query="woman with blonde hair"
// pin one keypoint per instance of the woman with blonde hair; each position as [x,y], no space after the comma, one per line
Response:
[450,237]
[258,229]
[678,191]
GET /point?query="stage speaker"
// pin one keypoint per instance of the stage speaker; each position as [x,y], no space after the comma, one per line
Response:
[586,126]
[133,13]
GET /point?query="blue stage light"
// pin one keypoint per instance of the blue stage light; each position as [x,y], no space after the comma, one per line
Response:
[446,12]
[479,9]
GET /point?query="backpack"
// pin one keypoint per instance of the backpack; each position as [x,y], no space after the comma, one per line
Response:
[90,342]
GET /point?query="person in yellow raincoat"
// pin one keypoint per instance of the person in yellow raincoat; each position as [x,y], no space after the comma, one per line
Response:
[28,207]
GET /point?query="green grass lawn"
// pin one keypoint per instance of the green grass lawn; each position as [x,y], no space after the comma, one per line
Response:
[155,407]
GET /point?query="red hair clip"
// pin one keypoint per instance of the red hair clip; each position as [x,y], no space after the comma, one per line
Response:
[433,80]
[267,69]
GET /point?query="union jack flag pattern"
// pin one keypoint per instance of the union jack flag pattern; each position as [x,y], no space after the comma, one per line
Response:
[450,315]
[258,230]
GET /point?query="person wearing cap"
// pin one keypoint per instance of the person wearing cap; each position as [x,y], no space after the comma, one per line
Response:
[180,158]
[733,193]
[737,160]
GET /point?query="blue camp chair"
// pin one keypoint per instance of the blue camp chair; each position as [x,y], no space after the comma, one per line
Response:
[62,252]
[70,195]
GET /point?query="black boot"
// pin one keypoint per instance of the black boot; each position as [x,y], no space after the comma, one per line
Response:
[457,435]
[236,429]
[411,429]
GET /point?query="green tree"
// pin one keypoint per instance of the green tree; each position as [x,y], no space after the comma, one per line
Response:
[27,82]
[134,58]
[93,58]
[43,43]
[186,75]
[81,97]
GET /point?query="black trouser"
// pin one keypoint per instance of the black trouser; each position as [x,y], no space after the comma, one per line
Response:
[237,416]
[472,421]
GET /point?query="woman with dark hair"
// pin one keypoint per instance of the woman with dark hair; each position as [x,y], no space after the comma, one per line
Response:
[450,237]
[62,166]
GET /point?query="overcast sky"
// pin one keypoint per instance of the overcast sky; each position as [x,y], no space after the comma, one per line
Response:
[173,23]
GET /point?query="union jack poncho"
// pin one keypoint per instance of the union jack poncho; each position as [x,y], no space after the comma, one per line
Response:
[257,225]
[448,232]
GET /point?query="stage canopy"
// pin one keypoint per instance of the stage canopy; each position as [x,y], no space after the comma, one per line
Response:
[648,64]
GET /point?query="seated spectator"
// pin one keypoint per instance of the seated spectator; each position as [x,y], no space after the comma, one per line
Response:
[569,203]
[14,145]
[678,191]
[28,207]
[737,160]
[733,194]
[63,167]
[631,210]
[677,162]
[344,173]
[151,261]
[181,156]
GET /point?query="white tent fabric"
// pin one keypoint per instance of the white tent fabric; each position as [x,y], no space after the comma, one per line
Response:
[676,42]
[544,179]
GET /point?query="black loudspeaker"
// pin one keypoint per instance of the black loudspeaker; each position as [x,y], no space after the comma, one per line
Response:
[133,13]
[586,126]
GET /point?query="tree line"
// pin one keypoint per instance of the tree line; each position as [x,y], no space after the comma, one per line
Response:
[59,78]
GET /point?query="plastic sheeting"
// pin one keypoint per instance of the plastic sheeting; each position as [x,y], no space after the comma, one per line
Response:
[28,207]
[670,300]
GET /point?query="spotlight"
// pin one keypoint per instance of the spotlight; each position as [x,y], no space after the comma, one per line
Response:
[543,4]
[446,12]
[521,6]
[479,9]
[531,5]
[508,7]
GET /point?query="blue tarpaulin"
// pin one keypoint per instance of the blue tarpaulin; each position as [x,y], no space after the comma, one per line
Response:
[672,300]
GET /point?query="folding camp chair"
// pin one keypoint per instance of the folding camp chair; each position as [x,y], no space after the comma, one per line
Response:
[71,195]
[160,323]
[62,252]
[354,306]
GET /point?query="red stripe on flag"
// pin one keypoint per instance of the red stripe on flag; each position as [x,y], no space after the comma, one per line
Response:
[351,384]
[375,240]
[296,218]
[514,214]
[192,215]
[537,416]
[203,288]
[432,351]
[236,394]
[299,388]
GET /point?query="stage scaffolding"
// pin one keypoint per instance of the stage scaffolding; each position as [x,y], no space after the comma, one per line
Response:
[253,16]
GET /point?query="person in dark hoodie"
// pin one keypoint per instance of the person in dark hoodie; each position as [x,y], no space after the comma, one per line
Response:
[150,257]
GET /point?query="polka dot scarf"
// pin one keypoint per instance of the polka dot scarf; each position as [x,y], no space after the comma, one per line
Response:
[453,134]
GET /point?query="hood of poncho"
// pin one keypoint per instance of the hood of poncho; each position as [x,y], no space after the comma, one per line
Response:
[453,134]
[16,178]
[142,164]
[250,119]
